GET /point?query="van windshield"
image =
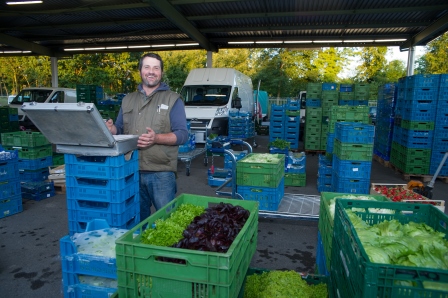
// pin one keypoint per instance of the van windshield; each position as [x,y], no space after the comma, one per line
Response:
[39,95]
[206,95]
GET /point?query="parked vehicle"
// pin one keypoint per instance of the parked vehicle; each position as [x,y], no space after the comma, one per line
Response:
[41,95]
[10,98]
[209,94]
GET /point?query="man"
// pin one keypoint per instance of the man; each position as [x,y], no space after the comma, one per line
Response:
[157,115]
[199,95]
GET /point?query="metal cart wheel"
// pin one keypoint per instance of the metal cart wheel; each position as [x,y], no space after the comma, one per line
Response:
[188,171]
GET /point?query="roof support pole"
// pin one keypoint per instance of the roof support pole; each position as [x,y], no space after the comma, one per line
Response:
[411,60]
[209,59]
[54,71]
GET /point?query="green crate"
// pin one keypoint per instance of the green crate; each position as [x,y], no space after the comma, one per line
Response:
[313,111]
[313,88]
[416,125]
[312,136]
[312,144]
[295,179]
[58,159]
[205,274]
[272,179]
[350,113]
[6,111]
[9,126]
[313,128]
[411,153]
[330,96]
[270,165]
[326,222]
[359,277]
[353,151]
[346,95]
[312,120]
[24,139]
[33,152]
[410,169]
[361,88]
[311,279]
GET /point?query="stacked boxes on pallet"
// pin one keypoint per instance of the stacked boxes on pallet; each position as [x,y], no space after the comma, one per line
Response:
[157,271]
[313,125]
[352,159]
[89,93]
[10,193]
[102,187]
[292,123]
[330,97]
[387,99]
[190,144]
[260,177]
[353,274]
[440,143]
[361,94]
[414,124]
[35,156]
[89,267]
[9,120]
[241,124]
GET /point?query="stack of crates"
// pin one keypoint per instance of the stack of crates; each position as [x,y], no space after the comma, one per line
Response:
[276,121]
[440,142]
[313,125]
[361,94]
[384,126]
[295,169]
[89,93]
[108,108]
[414,124]
[330,98]
[9,120]
[35,155]
[102,187]
[324,173]
[352,158]
[292,123]
[10,193]
[241,124]
[346,95]
[260,177]
[190,144]
[88,261]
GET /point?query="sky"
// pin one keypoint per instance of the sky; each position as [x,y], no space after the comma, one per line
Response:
[393,54]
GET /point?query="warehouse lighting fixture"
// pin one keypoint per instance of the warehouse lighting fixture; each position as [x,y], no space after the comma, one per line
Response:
[186,44]
[93,49]
[163,45]
[367,40]
[327,41]
[241,42]
[23,2]
[269,42]
[298,41]
[139,47]
[12,52]
[116,48]
[389,40]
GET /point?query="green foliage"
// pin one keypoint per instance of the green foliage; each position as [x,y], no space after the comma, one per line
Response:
[280,144]
[435,60]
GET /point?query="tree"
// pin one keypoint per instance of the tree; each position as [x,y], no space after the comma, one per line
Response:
[435,60]
[373,64]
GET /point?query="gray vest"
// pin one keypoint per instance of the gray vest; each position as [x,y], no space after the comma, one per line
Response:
[140,112]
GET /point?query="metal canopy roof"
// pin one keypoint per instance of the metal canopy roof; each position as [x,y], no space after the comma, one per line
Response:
[60,28]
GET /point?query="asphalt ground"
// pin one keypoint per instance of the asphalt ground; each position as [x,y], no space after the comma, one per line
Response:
[30,265]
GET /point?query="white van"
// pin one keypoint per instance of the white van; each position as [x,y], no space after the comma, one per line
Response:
[209,94]
[42,95]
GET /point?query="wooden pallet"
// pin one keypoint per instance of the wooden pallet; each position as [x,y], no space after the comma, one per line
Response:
[422,178]
[385,163]
[60,188]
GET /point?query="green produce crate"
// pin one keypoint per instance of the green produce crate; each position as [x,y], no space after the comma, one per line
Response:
[58,159]
[9,126]
[353,151]
[264,174]
[24,139]
[416,125]
[311,279]
[313,111]
[350,113]
[6,111]
[410,169]
[313,87]
[295,179]
[346,95]
[313,120]
[33,152]
[330,96]
[312,144]
[356,276]
[312,136]
[411,153]
[326,222]
[140,272]
[313,128]
[272,179]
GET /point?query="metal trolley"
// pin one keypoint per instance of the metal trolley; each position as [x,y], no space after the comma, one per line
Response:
[187,157]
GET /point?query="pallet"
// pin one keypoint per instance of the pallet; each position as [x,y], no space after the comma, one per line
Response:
[422,178]
[60,188]
[385,163]
[314,152]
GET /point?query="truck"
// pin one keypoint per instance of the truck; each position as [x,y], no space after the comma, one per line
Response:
[41,95]
[209,94]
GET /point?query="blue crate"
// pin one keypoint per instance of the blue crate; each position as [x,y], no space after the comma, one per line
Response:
[324,187]
[293,145]
[13,118]
[35,164]
[296,158]
[184,149]
[443,81]
[360,102]
[275,135]
[34,175]
[113,219]
[11,205]
[412,114]
[413,138]
[423,81]
[295,169]
[106,167]
[268,198]
[216,181]
[81,226]
[354,132]
[329,86]
[345,102]
[443,96]
[429,94]
[74,288]
[10,188]
[100,194]
[37,187]
[102,184]
[441,132]
[275,150]
[9,169]
[330,142]
[104,207]
[325,169]
[440,144]
[345,88]
[311,102]
[350,185]
[321,262]
[38,196]
[351,168]
[324,178]
[277,108]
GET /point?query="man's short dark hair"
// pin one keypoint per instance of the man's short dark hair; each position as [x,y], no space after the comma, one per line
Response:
[151,55]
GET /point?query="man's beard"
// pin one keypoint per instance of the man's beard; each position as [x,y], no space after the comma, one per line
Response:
[146,82]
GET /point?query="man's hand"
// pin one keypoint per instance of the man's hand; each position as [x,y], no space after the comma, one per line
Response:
[110,125]
[147,139]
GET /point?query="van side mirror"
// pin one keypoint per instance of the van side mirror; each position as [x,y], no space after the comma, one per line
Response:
[236,103]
